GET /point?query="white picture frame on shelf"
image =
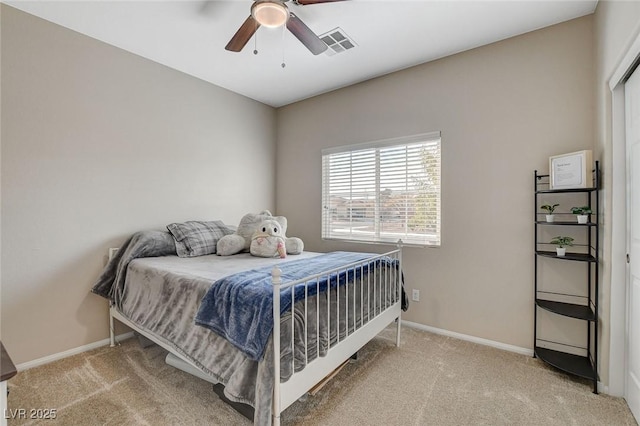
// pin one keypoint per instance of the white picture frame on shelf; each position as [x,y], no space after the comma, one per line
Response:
[572,170]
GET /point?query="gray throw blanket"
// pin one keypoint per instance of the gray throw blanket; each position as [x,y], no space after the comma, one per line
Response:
[239,306]
[141,244]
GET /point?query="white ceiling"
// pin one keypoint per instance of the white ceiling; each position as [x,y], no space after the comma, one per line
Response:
[190,36]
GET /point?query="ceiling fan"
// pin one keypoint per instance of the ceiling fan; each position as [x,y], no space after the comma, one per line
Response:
[273,14]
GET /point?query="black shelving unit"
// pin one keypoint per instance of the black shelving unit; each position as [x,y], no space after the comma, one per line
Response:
[561,357]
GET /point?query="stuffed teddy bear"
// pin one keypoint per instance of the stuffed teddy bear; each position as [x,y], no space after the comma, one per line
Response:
[249,224]
[267,241]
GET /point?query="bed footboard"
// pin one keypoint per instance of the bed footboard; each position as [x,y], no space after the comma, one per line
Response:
[371,300]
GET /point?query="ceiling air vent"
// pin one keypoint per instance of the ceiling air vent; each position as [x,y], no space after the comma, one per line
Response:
[337,41]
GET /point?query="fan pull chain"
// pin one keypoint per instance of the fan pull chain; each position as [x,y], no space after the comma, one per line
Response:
[284,27]
[255,43]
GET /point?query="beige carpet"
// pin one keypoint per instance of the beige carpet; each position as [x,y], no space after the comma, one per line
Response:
[429,380]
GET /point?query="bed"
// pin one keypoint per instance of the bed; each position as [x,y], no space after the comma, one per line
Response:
[307,314]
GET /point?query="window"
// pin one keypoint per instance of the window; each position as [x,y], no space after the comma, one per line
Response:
[383,191]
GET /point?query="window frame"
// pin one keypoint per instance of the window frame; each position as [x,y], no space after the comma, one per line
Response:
[425,138]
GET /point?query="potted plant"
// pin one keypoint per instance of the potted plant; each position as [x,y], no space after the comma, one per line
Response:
[582,213]
[549,208]
[562,243]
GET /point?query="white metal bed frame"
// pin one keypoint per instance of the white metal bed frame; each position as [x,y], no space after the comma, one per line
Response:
[284,394]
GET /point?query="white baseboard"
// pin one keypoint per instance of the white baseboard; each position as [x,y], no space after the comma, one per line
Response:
[55,357]
[466,337]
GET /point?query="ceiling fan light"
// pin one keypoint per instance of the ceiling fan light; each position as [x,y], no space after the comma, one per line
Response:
[270,14]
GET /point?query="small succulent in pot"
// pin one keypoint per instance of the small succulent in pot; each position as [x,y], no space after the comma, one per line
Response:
[582,213]
[581,210]
[550,209]
[562,243]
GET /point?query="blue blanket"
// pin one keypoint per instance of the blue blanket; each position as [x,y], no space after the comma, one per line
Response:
[240,307]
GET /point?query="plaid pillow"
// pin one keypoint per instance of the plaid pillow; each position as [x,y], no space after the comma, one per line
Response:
[196,238]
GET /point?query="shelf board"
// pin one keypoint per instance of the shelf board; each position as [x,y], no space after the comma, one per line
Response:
[575,364]
[567,309]
[581,257]
[564,223]
[560,191]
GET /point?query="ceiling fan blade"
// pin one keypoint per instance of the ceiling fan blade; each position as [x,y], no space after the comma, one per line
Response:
[305,2]
[243,35]
[305,35]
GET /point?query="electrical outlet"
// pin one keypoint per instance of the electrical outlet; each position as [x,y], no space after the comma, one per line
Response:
[415,296]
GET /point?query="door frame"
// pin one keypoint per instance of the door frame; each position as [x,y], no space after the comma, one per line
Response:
[619,226]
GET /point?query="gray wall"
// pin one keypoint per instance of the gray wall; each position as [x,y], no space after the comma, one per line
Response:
[98,143]
[503,109]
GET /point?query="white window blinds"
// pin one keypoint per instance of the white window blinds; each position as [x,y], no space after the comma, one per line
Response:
[383,191]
